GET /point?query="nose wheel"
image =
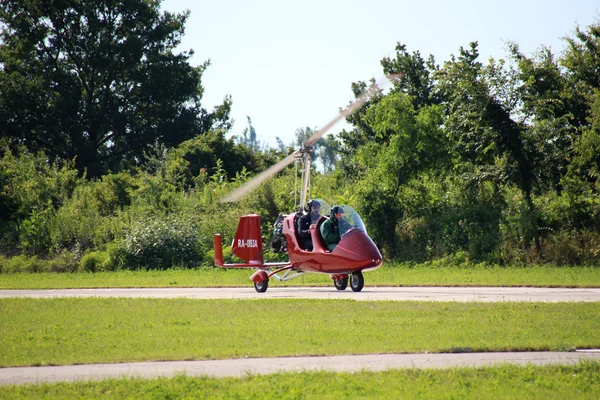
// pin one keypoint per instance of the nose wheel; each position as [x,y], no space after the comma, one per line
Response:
[357,281]
[261,287]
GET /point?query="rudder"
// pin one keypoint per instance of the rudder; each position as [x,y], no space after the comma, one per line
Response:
[247,243]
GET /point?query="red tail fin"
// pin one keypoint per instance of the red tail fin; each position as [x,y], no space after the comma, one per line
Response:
[247,243]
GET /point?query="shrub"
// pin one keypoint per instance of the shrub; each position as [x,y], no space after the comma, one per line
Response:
[34,232]
[161,243]
[116,257]
[64,262]
[95,261]
[89,219]
[31,182]
[77,227]
[23,263]
[572,248]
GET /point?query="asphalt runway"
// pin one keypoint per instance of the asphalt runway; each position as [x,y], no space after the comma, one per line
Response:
[243,367]
[463,294]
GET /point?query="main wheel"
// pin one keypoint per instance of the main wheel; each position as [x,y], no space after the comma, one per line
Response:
[357,281]
[262,286]
[341,284]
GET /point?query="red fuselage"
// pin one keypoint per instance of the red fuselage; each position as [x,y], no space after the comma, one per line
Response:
[355,252]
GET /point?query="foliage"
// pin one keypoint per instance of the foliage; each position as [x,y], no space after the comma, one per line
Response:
[63,262]
[95,261]
[161,242]
[248,137]
[100,81]
[32,190]
[30,183]
[412,144]
[89,219]
[494,162]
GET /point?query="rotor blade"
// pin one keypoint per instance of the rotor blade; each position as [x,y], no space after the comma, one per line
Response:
[348,111]
[243,190]
[362,99]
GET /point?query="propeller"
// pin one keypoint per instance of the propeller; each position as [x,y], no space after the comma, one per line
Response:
[240,192]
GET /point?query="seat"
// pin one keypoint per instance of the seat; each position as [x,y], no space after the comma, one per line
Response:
[296,231]
[320,221]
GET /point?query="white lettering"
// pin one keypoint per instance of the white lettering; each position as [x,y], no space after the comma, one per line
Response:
[247,243]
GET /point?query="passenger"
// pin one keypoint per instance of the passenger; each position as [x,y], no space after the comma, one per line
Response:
[307,221]
[330,229]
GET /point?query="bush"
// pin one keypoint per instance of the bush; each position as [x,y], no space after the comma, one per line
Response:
[572,248]
[160,243]
[64,262]
[77,227]
[22,263]
[95,261]
[89,219]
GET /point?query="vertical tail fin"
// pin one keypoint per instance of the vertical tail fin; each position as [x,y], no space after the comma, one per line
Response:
[247,243]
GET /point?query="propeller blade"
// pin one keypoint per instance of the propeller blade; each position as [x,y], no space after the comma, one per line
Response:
[246,188]
[239,193]
[345,113]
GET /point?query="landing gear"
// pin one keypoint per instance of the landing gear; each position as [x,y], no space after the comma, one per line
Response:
[357,281]
[261,287]
[341,284]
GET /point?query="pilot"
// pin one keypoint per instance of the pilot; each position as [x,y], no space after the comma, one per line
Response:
[330,229]
[306,221]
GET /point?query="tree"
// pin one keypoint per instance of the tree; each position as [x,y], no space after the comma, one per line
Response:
[488,142]
[414,144]
[329,152]
[248,137]
[98,81]
[414,75]
[582,64]
[361,133]
[546,104]
[207,153]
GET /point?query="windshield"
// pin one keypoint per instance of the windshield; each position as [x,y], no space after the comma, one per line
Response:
[350,221]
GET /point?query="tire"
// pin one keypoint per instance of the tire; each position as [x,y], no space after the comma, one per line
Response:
[341,284]
[357,281]
[262,286]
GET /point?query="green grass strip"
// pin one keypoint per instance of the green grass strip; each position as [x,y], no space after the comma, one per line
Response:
[502,382]
[97,330]
[387,275]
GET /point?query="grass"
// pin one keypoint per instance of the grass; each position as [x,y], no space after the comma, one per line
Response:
[95,330]
[388,275]
[580,381]
[67,331]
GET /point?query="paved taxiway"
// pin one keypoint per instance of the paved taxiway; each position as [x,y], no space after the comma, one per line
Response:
[486,294]
[245,366]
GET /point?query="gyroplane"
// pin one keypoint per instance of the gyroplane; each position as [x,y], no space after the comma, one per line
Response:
[354,254]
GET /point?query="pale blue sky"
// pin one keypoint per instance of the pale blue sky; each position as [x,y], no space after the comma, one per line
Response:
[289,65]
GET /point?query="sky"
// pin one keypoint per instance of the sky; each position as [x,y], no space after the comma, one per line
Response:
[290,65]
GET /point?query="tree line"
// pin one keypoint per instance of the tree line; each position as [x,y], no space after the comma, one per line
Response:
[497,159]
[110,161]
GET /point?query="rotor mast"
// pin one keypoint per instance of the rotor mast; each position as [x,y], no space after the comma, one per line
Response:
[305,155]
